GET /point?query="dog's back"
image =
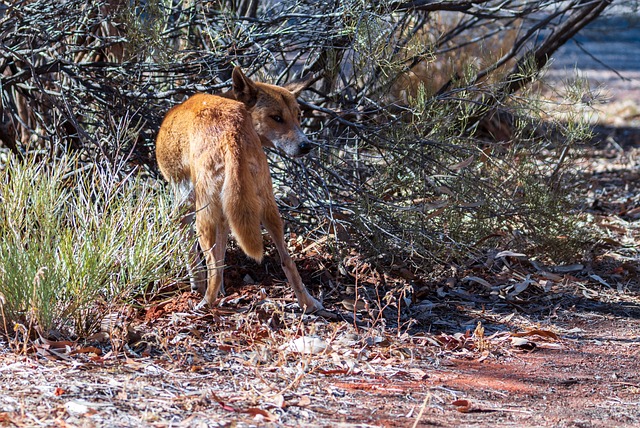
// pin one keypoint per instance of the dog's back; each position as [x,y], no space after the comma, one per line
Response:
[210,143]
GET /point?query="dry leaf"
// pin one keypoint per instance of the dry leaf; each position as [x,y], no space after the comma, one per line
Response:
[350,304]
[254,411]
[567,268]
[376,340]
[600,280]
[484,355]
[79,408]
[87,350]
[434,205]
[478,280]
[523,344]
[509,254]
[462,406]
[333,372]
[475,204]
[100,337]
[58,344]
[303,401]
[551,276]
[444,190]
[461,165]
[521,286]
[633,213]
[222,404]
[435,213]
[537,332]
[519,341]
[278,401]
[308,345]
[546,285]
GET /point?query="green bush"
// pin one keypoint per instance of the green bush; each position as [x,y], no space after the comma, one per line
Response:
[73,243]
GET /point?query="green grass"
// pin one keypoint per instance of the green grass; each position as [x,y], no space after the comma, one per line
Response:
[74,244]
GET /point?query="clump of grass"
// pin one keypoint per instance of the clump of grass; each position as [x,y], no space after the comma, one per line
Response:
[74,242]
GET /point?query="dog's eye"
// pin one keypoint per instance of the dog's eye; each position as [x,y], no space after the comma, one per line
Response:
[277,118]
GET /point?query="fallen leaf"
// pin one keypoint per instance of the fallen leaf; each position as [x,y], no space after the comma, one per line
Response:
[546,285]
[600,280]
[520,287]
[418,374]
[435,204]
[376,340]
[463,406]
[303,401]
[444,190]
[254,411]
[509,254]
[57,344]
[567,268]
[100,337]
[79,407]
[308,345]
[633,213]
[472,204]
[87,350]
[551,276]
[523,344]
[332,372]
[537,332]
[478,280]
[484,355]
[461,165]
[278,401]
[350,305]
[5,417]
[222,404]
[97,359]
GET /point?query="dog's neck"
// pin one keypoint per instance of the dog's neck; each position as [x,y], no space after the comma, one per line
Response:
[230,94]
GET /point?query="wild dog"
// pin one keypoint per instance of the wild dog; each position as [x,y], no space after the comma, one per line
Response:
[213,145]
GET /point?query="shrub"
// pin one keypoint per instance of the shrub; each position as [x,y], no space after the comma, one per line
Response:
[75,241]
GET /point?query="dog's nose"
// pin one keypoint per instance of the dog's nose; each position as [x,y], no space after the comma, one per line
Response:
[305,147]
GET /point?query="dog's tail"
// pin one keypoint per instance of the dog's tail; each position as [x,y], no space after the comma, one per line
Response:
[240,202]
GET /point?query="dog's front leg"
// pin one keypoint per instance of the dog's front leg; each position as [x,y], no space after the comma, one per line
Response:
[273,223]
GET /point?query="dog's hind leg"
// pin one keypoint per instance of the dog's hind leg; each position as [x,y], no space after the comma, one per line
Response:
[197,273]
[184,197]
[213,242]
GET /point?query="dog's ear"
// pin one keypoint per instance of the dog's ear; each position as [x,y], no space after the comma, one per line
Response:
[244,89]
[297,86]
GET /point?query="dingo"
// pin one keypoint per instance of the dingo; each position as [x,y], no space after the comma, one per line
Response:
[213,144]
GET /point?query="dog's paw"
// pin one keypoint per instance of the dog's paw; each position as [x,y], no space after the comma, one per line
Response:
[202,305]
[312,306]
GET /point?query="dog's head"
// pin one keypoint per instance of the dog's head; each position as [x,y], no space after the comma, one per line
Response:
[275,113]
